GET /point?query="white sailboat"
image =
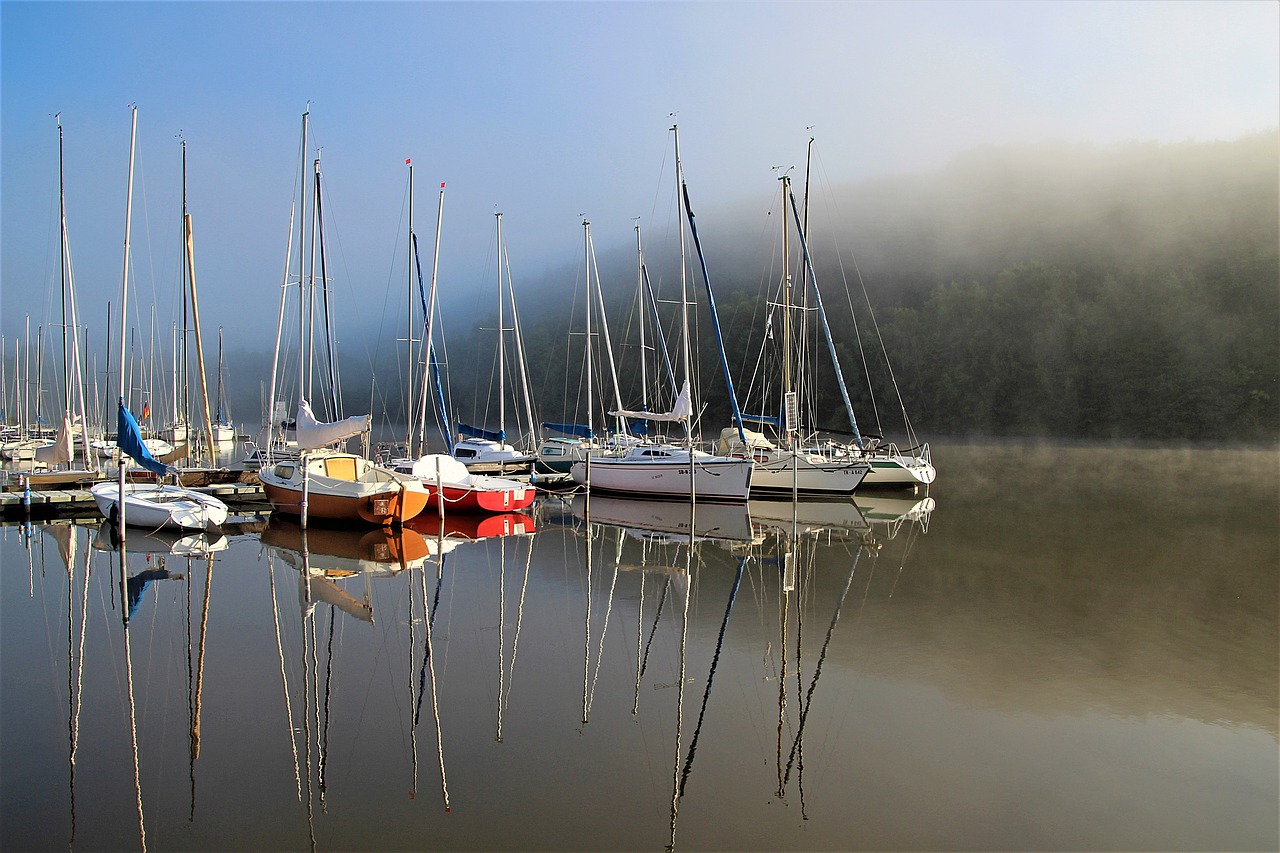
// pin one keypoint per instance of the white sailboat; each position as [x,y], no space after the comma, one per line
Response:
[891,464]
[787,468]
[557,454]
[665,470]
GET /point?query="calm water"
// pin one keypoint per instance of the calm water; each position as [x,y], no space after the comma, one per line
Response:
[1076,649]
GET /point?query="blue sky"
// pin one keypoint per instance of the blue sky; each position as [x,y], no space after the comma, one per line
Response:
[545,111]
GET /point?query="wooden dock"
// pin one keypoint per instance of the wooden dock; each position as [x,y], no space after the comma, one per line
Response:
[59,503]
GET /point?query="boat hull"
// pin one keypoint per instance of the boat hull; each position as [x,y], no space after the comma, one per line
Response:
[899,471]
[382,505]
[713,479]
[160,507]
[480,499]
[450,485]
[782,475]
[342,487]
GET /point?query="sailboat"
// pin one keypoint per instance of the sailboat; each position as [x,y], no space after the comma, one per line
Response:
[323,481]
[142,504]
[574,442]
[891,465]
[62,450]
[224,431]
[486,451]
[448,481]
[788,469]
[666,470]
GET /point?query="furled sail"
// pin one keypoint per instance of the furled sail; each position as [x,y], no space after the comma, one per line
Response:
[486,434]
[62,449]
[313,433]
[580,430]
[681,411]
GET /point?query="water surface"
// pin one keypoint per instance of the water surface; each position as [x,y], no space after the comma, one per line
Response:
[1076,648]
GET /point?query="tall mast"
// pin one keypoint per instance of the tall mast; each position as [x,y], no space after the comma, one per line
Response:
[788,391]
[302,242]
[62,219]
[644,379]
[826,327]
[586,248]
[607,343]
[284,293]
[711,305]
[408,383]
[430,371]
[684,290]
[124,300]
[502,393]
[189,246]
[185,405]
[330,348]
[124,276]
[73,381]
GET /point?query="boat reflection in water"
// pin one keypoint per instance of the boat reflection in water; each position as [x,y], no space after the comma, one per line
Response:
[168,542]
[656,520]
[322,556]
[889,513]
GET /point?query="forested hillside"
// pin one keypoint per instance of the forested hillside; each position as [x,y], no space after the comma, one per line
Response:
[1055,290]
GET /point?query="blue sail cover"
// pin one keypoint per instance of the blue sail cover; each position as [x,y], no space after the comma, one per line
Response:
[580,430]
[129,439]
[638,427]
[476,432]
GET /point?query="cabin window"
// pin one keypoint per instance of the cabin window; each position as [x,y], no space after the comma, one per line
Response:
[284,472]
[553,451]
[341,467]
[463,453]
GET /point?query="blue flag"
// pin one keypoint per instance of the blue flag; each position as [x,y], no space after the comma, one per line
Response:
[129,439]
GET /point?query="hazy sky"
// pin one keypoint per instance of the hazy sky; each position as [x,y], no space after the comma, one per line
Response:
[545,111]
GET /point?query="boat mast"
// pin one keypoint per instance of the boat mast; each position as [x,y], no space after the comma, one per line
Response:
[408,384]
[826,327]
[302,242]
[502,393]
[429,321]
[69,302]
[644,357]
[604,327]
[284,293]
[189,243]
[788,390]
[530,428]
[329,342]
[430,370]
[62,219]
[124,300]
[711,305]
[586,249]
[686,365]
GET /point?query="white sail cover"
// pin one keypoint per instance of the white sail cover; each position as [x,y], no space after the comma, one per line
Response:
[62,449]
[313,433]
[681,411]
